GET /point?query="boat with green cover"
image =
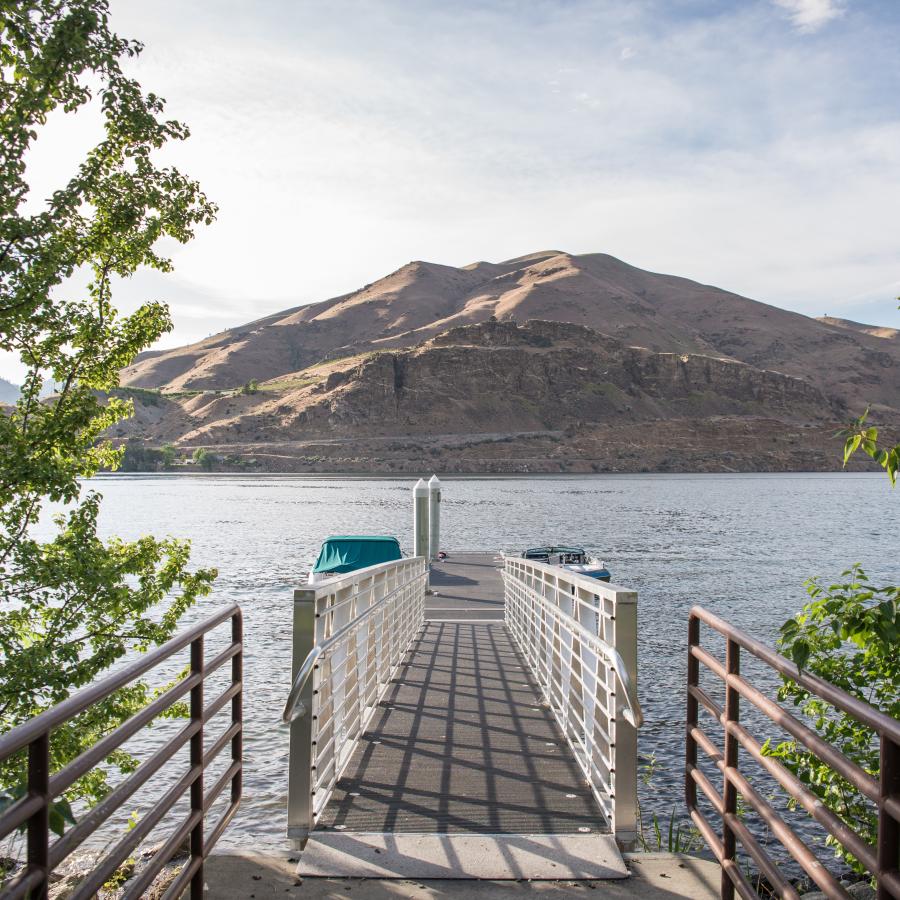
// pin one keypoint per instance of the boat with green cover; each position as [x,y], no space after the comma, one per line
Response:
[347,553]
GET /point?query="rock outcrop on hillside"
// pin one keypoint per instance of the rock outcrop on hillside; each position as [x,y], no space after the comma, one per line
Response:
[879,331]
[498,376]
[501,397]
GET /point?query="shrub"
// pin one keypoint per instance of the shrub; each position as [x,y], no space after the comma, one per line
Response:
[205,459]
[848,635]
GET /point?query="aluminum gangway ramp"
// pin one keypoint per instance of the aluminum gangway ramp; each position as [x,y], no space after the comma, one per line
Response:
[462,769]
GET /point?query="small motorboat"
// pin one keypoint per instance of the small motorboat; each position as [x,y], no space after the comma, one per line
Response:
[347,553]
[575,559]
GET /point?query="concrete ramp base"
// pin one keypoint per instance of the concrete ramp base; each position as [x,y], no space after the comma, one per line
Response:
[496,857]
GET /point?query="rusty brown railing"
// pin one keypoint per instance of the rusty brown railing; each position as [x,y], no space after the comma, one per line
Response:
[33,810]
[881,860]
[884,792]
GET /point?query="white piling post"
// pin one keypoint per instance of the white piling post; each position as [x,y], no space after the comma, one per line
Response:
[420,519]
[434,515]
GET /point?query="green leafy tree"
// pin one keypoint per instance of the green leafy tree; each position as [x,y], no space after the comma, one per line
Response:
[847,634]
[138,458]
[73,605]
[205,459]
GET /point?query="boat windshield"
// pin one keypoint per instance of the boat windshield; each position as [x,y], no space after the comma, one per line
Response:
[556,555]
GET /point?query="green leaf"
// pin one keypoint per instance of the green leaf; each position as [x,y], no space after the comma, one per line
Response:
[9,796]
[800,651]
[789,629]
[851,446]
[65,810]
[57,821]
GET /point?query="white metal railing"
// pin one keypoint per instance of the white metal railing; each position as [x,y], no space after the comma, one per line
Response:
[579,638]
[350,634]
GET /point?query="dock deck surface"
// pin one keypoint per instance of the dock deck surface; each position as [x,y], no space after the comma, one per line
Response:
[463,742]
[653,876]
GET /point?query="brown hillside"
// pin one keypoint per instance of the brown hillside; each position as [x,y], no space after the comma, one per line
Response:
[660,312]
[490,377]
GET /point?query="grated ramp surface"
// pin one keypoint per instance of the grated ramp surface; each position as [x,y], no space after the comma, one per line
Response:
[462,742]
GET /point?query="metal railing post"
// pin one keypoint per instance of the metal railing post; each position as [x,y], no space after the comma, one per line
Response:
[197,760]
[237,709]
[691,719]
[421,525]
[888,850]
[729,791]
[300,775]
[625,800]
[39,823]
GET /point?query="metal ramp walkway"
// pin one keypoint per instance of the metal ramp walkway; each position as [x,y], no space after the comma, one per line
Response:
[461,740]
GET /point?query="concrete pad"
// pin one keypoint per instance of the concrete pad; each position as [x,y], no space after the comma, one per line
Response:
[462,856]
[654,876]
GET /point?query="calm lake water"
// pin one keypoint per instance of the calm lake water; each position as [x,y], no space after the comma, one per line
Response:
[739,544]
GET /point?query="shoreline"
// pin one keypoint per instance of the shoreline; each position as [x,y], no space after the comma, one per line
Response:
[474,476]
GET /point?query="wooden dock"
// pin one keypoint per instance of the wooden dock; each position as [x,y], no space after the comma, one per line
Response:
[462,741]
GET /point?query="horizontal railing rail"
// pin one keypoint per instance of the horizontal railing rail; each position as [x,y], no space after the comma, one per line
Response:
[579,639]
[631,710]
[884,792]
[32,811]
[293,707]
[350,635]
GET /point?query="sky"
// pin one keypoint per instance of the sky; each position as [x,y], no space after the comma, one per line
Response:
[750,144]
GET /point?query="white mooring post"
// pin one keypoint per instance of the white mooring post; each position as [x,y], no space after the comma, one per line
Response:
[420,519]
[434,515]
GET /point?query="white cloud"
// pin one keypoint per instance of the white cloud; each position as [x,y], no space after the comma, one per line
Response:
[343,139]
[627,53]
[811,15]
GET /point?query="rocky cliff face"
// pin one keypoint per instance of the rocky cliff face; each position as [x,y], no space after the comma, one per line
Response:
[499,376]
[502,397]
